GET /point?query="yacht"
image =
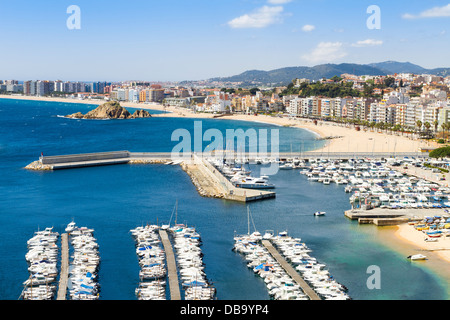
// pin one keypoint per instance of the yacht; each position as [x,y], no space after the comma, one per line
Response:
[254,183]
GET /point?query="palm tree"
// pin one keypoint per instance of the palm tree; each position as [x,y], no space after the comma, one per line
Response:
[445,126]
[419,124]
[436,124]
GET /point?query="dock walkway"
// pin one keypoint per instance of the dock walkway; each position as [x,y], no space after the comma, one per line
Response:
[291,271]
[64,275]
[174,285]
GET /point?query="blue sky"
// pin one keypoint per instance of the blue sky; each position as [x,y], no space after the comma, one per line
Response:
[175,40]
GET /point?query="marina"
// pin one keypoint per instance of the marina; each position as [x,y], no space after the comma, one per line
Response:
[42,258]
[115,199]
[286,266]
[190,264]
[83,270]
[152,264]
[381,190]
[278,261]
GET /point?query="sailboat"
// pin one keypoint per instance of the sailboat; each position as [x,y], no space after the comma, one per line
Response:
[175,209]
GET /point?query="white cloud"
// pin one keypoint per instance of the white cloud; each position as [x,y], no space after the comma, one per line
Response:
[368,43]
[326,52]
[436,12]
[308,28]
[278,1]
[261,18]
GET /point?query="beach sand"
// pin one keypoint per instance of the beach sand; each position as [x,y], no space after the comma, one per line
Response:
[348,139]
[416,238]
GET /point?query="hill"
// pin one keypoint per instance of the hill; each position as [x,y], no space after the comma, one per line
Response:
[284,76]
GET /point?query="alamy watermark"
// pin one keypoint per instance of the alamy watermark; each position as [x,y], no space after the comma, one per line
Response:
[374,20]
[374,280]
[237,144]
[73,22]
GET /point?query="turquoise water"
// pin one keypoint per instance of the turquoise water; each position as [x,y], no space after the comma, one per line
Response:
[115,199]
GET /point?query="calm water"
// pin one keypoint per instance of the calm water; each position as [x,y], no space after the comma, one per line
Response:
[113,200]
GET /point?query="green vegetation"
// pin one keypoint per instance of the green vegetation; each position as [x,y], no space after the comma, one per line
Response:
[442,170]
[337,88]
[443,152]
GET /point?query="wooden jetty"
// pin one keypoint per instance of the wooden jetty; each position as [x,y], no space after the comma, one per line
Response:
[174,285]
[291,271]
[64,275]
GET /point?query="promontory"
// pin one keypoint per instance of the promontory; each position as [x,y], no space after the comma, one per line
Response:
[110,110]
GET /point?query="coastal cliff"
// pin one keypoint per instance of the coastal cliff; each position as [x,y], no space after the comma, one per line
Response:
[110,110]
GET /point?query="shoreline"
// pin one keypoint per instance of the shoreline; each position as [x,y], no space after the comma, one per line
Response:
[340,139]
[405,240]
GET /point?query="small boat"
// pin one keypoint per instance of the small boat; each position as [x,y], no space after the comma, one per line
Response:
[70,227]
[431,239]
[417,257]
[319,214]
[287,166]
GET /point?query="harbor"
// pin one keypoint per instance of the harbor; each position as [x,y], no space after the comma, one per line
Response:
[288,270]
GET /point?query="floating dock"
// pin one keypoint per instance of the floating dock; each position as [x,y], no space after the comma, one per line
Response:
[64,275]
[291,271]
[174,285]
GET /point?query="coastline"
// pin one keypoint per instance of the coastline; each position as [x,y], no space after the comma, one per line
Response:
[340,138]
[407,241]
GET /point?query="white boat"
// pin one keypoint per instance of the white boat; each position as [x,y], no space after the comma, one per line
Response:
[255,183]
[417,257]
[319,214]
[70,227]
[287,166]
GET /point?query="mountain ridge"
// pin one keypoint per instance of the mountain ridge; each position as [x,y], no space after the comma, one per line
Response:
[283,76]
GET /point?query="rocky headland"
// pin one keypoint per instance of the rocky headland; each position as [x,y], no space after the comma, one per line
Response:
[110,110]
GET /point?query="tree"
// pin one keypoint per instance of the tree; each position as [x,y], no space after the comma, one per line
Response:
[436,124]
[440,153]
[419,124]
[254,90]
[389,82]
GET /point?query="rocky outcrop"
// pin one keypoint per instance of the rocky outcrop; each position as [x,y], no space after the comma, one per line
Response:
[38,166]
[141,114]
[110,110]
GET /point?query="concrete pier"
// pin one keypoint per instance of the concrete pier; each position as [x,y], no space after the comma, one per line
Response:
[389,217]
[211,183]
[291,271]
[64,274]
[123,157]
[174,285]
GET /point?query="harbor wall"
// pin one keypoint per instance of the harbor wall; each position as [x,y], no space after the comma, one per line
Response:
[87,157]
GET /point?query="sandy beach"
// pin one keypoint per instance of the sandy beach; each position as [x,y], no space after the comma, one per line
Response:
[346,139]
[409,234]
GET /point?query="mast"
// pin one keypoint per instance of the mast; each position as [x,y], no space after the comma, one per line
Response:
[176,211]
[248,220]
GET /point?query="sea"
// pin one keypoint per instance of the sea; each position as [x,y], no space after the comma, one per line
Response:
[112,200]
